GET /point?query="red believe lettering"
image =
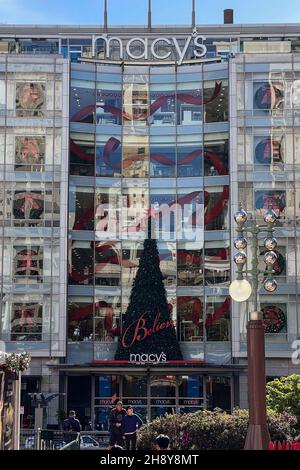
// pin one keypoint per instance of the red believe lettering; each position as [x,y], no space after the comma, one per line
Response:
[140,331]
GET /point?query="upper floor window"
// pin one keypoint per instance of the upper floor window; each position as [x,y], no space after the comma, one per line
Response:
[30,99]
[29,153]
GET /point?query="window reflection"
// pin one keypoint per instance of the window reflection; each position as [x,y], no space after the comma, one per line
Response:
[107,212]
[82,154]
[268,151]
[30,99]
[135,100]
[163,386]
[81,208]
[135,204]
[108,156]
[167,257]
[81,263]
[217,319]
[107,318]
[189,104]
[32,206]
[107,386]
[190,393]
[217,263]
[108,262]
[215,156]
[2,94]
[218,392]
[190,318]
[80,319]
[28,205]
[189,159]
[135,386]
[216,216]
[27,262]
[29,153]
[26,322]
[162,107]
[191,202]
[83,104]
[276,198]
[108,105]
[162,201]
[163,160]
[216,110]
[190,264]
[268,95]
[135,156]
[131,252]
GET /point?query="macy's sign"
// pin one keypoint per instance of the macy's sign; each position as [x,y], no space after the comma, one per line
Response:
[144,358]
[149,48]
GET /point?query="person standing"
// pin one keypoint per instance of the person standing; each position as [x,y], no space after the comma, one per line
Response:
[71,426]
[116,425]
[132,423]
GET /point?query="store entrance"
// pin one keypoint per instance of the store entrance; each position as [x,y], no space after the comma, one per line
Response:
[150,395]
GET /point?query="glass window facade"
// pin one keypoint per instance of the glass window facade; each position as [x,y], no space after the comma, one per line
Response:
[267,168]
[33,195]
[88,147]
[149,137]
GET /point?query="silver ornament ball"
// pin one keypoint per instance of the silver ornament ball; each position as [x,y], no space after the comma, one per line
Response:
[240,258]
[240,243]
[270,216]
[270,285]
[270,257]
[240,216]
[270,243]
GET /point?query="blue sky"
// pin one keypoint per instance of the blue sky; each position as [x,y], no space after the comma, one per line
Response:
[135,11]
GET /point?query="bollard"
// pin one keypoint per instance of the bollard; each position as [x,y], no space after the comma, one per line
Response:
[38,440]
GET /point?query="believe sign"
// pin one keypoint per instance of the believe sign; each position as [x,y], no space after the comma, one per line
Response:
[149,49]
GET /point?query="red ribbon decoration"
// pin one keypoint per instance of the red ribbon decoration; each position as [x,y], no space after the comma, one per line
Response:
[197,310]
[79,152]
[112,145]
[218,313]
[209,216]
[26,317]
[109,259]
[30,147]
[185,97]
[29,203]
[82,312]
[27,261]
[215,211]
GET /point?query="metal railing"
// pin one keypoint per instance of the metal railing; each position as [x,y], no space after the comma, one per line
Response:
[46,439]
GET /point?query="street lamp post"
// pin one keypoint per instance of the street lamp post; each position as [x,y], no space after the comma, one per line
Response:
[240,290]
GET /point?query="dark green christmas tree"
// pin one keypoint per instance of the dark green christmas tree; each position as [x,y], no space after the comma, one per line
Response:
[147,326]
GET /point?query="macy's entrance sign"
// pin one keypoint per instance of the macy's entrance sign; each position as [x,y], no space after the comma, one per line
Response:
[144,358]
[152,49]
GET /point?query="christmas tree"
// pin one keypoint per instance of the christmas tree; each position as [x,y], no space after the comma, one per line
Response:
[147,326]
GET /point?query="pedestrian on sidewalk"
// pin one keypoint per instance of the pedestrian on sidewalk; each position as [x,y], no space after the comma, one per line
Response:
[132,422]
[116,425]
[71,426]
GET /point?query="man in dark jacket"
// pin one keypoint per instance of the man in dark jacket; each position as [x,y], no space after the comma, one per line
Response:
[116,425]
[132,423]
[72,426]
